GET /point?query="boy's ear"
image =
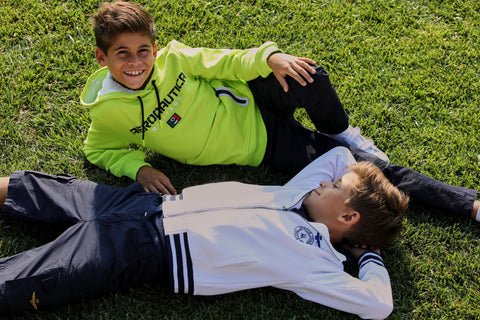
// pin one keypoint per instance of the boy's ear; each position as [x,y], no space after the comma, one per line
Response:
[350,217]
[100,55]
[155,49]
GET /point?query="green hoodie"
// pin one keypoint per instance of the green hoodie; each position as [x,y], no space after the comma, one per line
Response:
[197,109]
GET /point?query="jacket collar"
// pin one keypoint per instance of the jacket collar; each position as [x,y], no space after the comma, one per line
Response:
[323,230]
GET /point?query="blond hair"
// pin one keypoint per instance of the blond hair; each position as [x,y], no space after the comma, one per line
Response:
[381,206]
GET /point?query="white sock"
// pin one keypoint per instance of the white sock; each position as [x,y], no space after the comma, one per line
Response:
[477,218]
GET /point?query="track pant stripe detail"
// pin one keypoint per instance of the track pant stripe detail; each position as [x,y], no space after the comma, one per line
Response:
[181,263]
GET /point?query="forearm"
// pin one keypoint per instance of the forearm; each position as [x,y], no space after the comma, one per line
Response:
[118,162]
[3,189]
[228,64]
[369,296]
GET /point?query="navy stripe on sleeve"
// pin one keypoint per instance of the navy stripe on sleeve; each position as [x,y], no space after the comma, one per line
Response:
[370,257]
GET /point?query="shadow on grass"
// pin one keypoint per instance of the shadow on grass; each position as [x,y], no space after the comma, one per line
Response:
[182,175]
[431,259]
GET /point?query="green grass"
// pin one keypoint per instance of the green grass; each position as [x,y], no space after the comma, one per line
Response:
[407,71]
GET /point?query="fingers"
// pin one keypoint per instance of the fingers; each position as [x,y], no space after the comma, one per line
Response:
[310,62]
[365,247]
[153,180]
[299,68]
[3,189]
[166,188]
[161,186]
[282,80]
[302,70]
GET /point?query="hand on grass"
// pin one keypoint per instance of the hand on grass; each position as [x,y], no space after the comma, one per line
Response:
[296,67]
[154,180]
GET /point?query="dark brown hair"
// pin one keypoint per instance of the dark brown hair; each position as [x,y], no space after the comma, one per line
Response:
[118,17]
[381,206]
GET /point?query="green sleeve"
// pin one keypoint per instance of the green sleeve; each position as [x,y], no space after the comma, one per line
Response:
[108,150]
[227,64]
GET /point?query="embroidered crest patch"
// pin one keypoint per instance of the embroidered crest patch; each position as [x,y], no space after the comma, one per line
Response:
[304,235]
[174,120]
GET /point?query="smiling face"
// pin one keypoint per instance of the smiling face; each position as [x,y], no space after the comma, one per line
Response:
[326,205]
[130,59]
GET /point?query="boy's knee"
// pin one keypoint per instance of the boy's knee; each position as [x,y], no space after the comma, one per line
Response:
[321,72]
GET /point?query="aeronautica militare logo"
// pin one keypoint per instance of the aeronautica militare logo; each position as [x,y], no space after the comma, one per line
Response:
[304,235]
[164,109]
[34,301]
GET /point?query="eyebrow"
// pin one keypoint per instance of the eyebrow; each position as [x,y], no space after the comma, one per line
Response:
[125,47]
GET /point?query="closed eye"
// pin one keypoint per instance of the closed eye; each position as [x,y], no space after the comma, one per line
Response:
[338,184]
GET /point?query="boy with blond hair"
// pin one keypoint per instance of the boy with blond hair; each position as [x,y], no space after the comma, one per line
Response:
[208,240]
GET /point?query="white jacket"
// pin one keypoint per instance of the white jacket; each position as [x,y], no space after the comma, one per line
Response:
[230,236]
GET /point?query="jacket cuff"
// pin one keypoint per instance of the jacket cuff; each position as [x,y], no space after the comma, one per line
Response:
[370,256]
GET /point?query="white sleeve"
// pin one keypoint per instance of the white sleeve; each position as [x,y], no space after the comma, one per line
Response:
[328,167]
[369,296]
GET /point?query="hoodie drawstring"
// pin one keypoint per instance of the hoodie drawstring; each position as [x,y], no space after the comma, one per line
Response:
[143,111]
[143,120]
[156,91]
[158,99]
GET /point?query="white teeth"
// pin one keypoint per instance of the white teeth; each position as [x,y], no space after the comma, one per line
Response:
[133,73]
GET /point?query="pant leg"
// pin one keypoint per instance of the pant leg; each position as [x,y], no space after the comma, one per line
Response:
[291,146]
[422,188]
[91,258]
[319,99]
[37,196]
[110,244]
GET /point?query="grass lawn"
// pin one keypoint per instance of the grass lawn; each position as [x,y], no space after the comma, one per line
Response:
[407,71]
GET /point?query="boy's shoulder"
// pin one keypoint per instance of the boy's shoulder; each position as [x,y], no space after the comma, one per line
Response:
[173,45]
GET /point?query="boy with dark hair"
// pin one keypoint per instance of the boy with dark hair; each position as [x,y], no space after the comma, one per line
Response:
[191,104]
[217,106]
[208,240]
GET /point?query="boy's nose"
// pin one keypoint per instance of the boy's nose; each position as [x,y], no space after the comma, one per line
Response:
[134,59]
[325,184]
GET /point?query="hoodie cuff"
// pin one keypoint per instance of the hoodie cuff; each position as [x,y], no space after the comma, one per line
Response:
[264,52]
[132,169]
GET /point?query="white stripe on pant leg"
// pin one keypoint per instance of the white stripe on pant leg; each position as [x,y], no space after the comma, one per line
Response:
[174,264]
